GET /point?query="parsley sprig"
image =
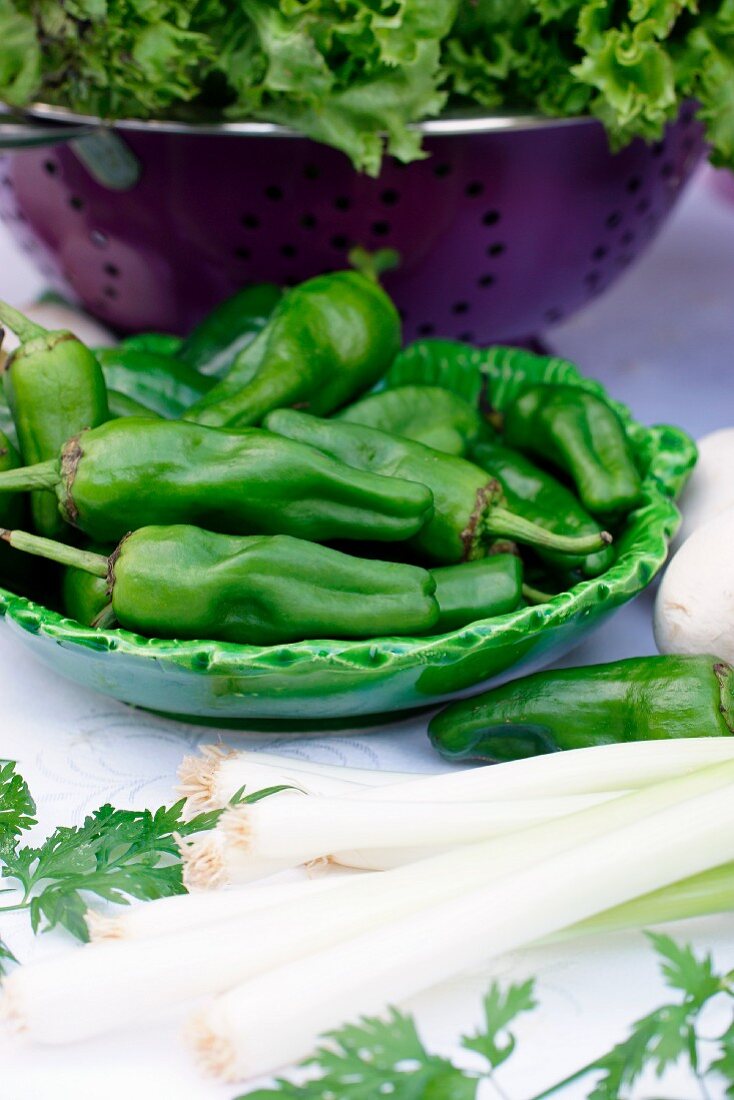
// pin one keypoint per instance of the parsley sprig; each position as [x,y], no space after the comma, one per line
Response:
[377,1057]
[114,855]
[17,808]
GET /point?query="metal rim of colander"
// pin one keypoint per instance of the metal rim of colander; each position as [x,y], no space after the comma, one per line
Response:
[450,124]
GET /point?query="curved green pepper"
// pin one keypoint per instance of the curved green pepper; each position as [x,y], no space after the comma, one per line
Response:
[215,343]
[327,340]
[160,343]
[477,590]
[426,414]
[129,473]
[13,513]
[582,435]
[120,405]
[55,388]
[640,699]
[7,427]
[468,504]
[84,595]
[544,500]
[161,383]
[182,582]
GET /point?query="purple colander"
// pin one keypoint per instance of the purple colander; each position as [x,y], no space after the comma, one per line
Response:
[509,225]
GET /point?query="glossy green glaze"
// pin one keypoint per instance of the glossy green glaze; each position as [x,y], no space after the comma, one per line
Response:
[336,679]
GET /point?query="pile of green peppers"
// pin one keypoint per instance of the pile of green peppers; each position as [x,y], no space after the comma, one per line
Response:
[252,483]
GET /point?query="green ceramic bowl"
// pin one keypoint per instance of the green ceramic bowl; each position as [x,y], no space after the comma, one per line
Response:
[347,679]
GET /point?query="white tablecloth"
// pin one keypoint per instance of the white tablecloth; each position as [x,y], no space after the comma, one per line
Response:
[662,341]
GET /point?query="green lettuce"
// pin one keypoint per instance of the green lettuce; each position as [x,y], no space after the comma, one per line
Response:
[356,74]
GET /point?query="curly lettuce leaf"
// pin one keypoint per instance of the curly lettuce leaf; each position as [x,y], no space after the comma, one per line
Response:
[356,74]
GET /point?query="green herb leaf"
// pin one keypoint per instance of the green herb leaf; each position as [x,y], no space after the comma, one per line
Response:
[6,957]
[114,855]
[501,1008]
[378,1057]
[723,1065]
[16,806]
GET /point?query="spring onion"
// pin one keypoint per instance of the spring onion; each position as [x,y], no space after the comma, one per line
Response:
[109,985]
[298,830]
[214,780]
[209,781]
[172,914]
[623,848]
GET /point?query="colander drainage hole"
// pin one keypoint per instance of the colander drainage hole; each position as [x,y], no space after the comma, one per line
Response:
[381,229]
[658,148]
[288,251]
[308,221]
[242,253]
[76,203]
[112,270]
[634,183]
[342,202]
[389,197]
[614,219]
[273,192]
[466,337]
[599,252]
[473,189]
[426,329]
[496,249]
[491,217]
[311,171]
[339,242]
[486,280]
[51,167]
[250,221]
[460,307]
[442,170]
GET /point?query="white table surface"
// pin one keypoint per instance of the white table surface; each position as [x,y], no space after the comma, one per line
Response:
[661,340]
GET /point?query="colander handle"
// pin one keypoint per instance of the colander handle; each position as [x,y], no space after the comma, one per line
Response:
[107,158]
[19,131]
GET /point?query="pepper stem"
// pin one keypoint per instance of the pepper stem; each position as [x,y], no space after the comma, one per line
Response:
[85,560]
[44,475]
[535,595]
[22,326]
[499,521]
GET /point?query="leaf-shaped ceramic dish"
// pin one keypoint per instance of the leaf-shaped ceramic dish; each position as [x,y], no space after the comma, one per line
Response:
[347,679]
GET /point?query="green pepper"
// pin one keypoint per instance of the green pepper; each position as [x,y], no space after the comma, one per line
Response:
[55,388]
[120,404]
[477,590]
[469,507]
[639,699]
[327,340]
[160,382]
[7,427]
[216,342]
[128,473]
[160,343]
[582,435]
[544,500]
[84,595]
[182,582]
[13,513]
[426,414]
